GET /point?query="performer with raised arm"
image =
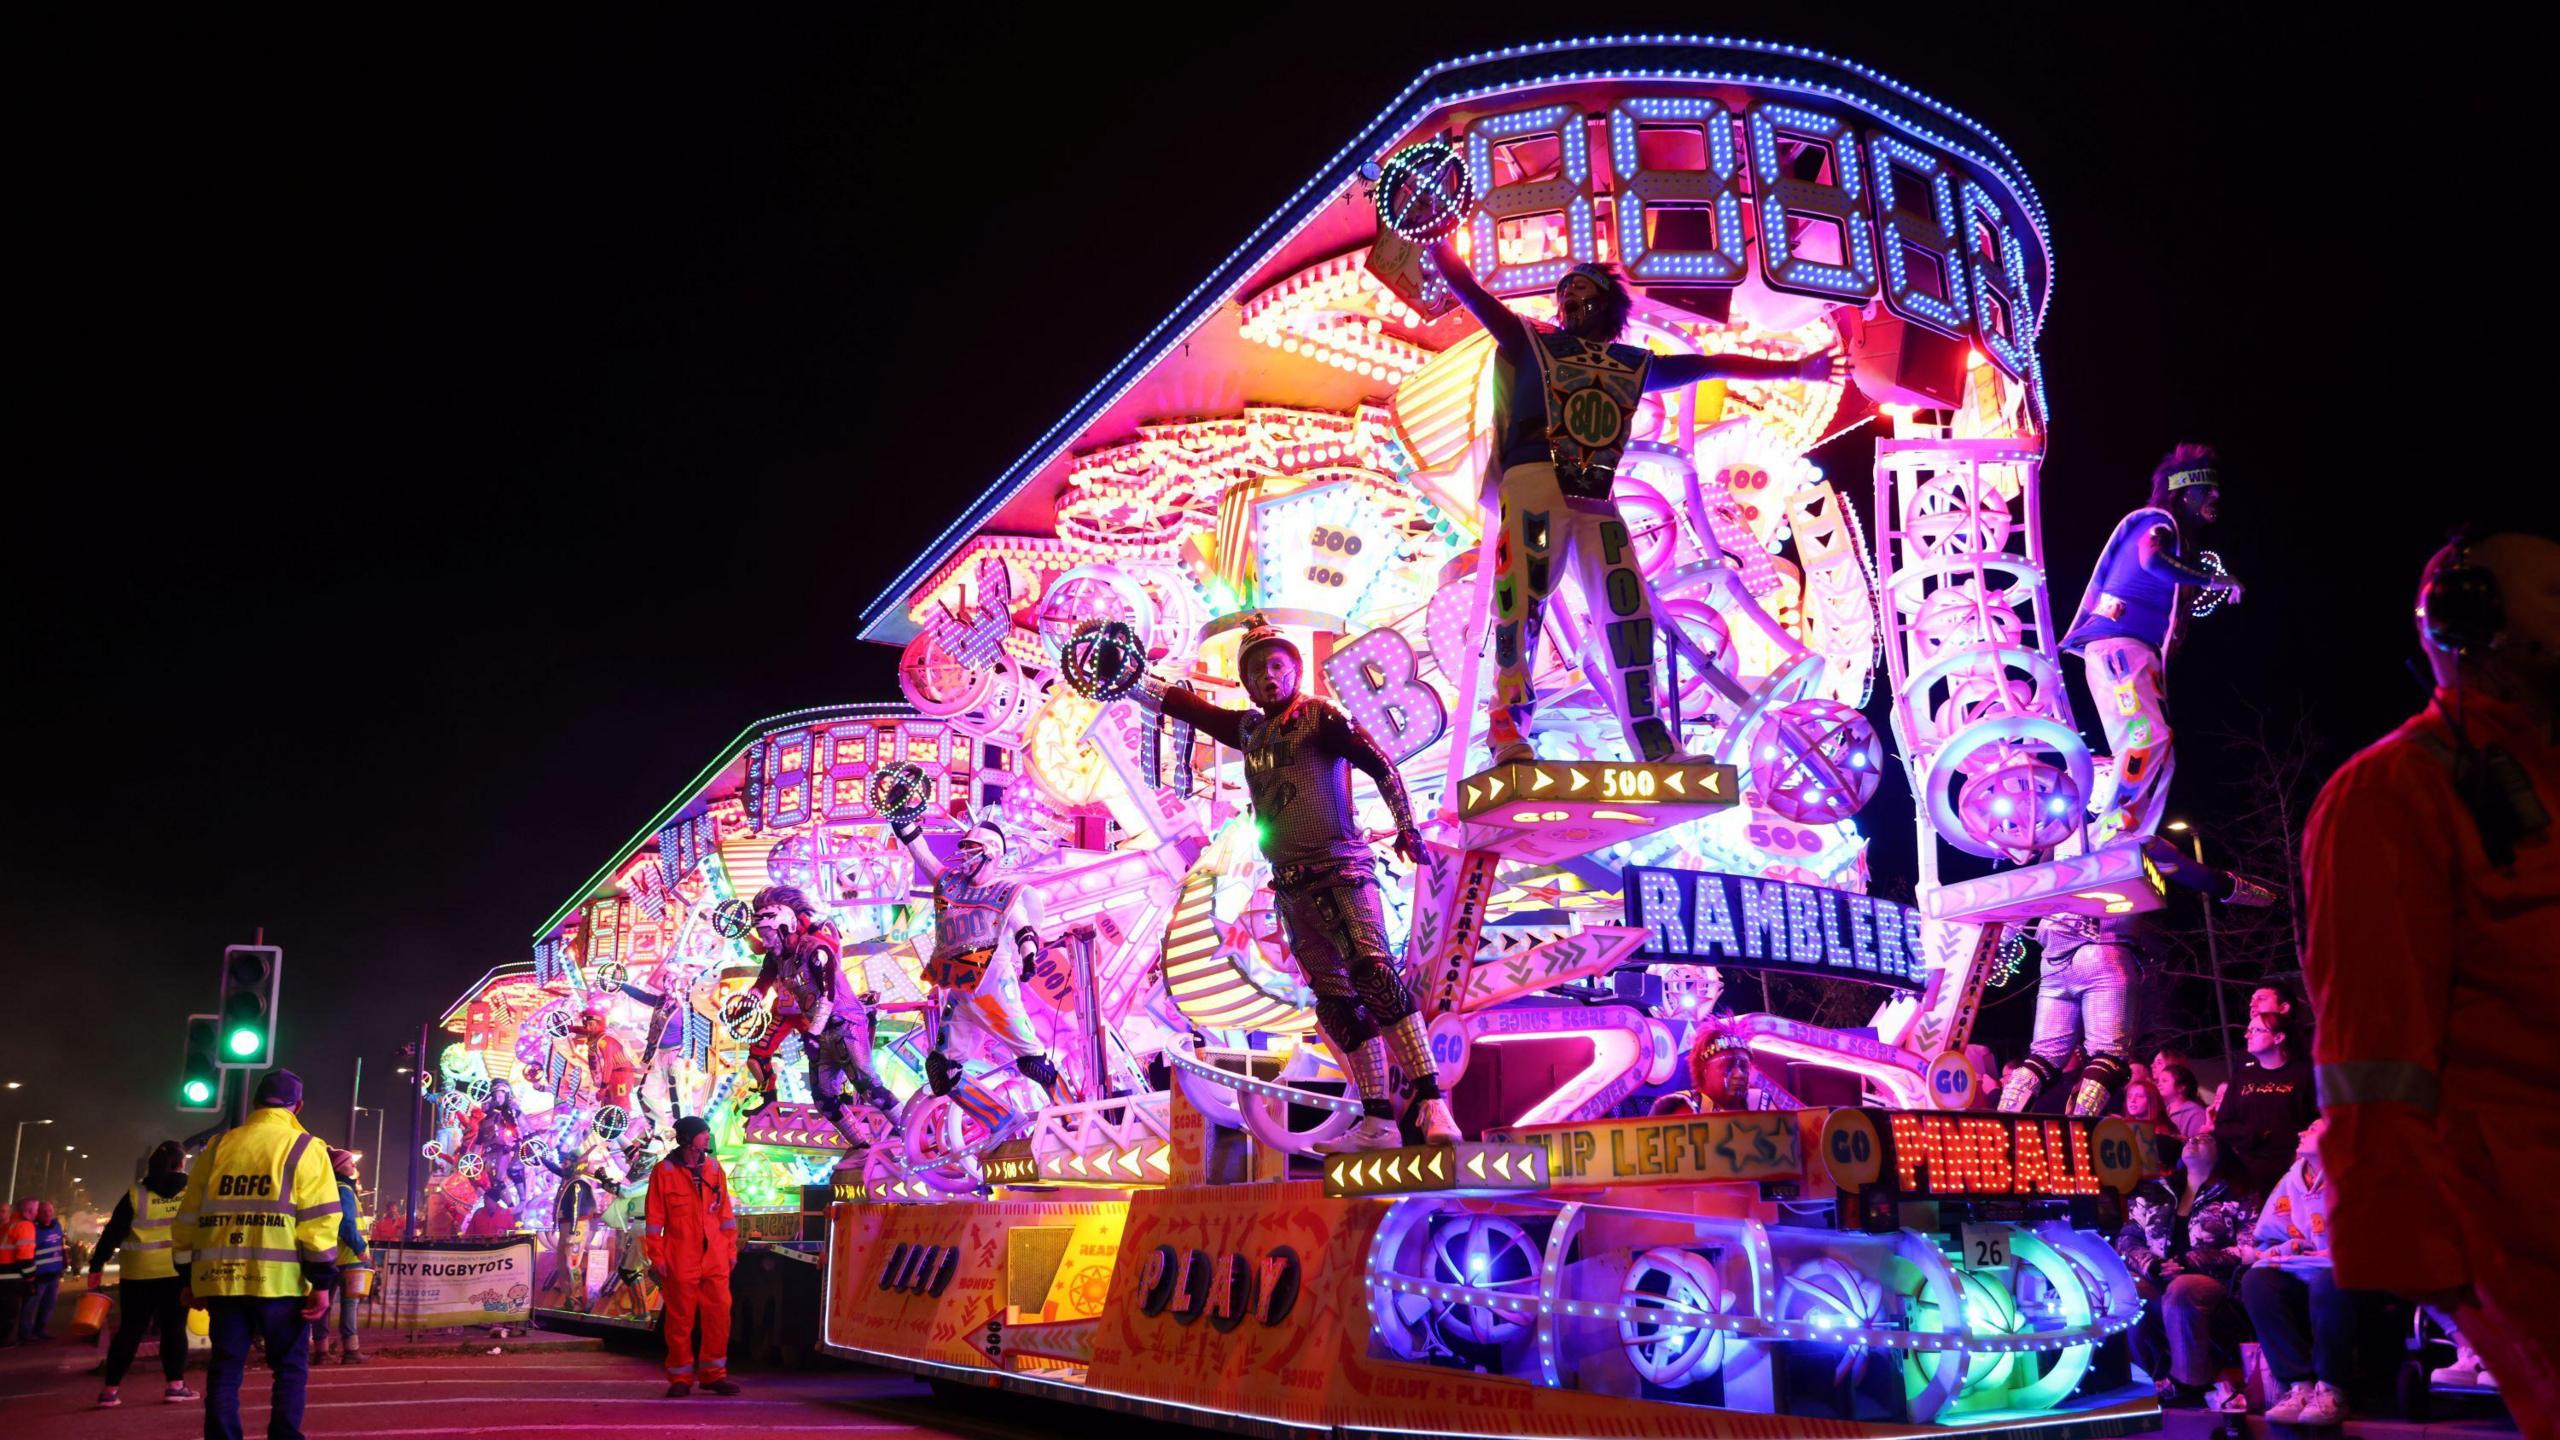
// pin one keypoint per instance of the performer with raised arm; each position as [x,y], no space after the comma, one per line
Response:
[2127,628]
[1298,754]
[986,930]
[1566,411]
[804,959]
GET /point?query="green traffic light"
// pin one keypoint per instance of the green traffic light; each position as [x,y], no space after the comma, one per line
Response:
[244,1041]
[198,1092]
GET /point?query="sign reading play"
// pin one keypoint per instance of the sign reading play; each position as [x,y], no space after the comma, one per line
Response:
[1704,918]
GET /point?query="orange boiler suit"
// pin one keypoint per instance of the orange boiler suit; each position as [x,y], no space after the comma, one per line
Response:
[2435,977]
[692,1235]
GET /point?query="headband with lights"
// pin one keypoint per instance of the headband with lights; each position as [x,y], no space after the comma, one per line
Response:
[2201,475]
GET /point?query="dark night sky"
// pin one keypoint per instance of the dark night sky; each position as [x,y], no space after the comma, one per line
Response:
[450,433]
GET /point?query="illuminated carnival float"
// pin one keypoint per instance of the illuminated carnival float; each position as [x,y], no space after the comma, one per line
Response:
[1140,1199]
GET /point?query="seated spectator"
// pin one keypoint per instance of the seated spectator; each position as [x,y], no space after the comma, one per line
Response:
[2141,1105]
[2180,1242]
[2306,1322]
[2187,1113]
[2267,1103]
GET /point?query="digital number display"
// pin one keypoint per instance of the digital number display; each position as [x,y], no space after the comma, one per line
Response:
[1585,782]
[1618,784]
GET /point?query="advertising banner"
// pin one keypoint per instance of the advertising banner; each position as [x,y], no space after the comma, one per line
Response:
[433,1284]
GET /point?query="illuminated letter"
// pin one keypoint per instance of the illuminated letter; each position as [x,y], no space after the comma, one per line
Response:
[1932,232]
[1792,208]
[1910,1151]
[1711,922]
[1804,925]
[1889,918]
[1988,1144]
[1712,187]
[1862,932]
[1764,919]
[1658,901]
[1376,677]
[1531,184]
[2004,313]
[1835,949]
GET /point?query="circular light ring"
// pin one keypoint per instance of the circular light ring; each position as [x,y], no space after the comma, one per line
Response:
[1915,583]
[2021,731]
[1483,1252]
[2022,806]
[930,1156]
[735,919]
[1944,516]
[1103,660]
[1794,678]
[1423,192]
[898,793]
[1817,761]
[1961,618]
[1092,592]
[745,1018]
[1664,1351]
[1266,1115]
[938,683]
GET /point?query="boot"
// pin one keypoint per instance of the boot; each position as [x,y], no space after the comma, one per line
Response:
[2088,1098]
[1503,738]
[348,1354]
[2019,1091]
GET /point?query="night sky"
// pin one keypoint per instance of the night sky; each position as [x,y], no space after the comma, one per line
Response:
[449,434]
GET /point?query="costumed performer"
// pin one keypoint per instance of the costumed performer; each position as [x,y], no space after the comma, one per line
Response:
[2128,626]
[1298,755]
[1566,414]
[803,959]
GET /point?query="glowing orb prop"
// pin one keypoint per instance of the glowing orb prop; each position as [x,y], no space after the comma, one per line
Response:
[1670,1291]
[1423,192]
[2021,804]
[1817,761]
[1485,1252]
[611,1121]
[734,919]
[897,793]
[1103,659]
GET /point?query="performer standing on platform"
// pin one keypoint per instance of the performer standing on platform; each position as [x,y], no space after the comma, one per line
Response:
[2127,628]
[1566,414]
[1298,754]
[986,931]
[803,958]
[2084,1001]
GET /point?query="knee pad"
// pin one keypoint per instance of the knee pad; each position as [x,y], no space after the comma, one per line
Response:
[1038,1069]
[1344,1022]
[1381,988]
[941,1072]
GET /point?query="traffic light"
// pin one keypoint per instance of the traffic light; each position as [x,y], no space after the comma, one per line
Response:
[246,1014]
[199,1077]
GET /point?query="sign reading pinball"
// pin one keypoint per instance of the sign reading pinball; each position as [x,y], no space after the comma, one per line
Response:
[1701,918]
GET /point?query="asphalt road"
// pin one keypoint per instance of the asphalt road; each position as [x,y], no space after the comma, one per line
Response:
[48,1393]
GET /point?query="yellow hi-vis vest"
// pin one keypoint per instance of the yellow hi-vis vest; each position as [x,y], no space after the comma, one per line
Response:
[144,1255]
[259,1204]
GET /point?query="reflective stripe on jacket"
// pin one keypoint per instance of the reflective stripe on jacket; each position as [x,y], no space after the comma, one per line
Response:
[146,1252]
[260,1216]
[692,1226]
[48,1249]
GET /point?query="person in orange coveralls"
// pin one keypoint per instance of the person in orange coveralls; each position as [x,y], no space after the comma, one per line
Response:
[2434,964]
[692,1231]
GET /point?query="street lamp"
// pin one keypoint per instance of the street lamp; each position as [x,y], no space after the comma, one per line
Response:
[14,1152]
[2212,949]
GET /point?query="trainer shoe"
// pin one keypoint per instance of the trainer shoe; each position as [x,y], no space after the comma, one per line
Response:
[2325,1407]
[1519,752]
[1438,1126]
[722,1386]
[678,1389]
[108,1399]
[2289,1406]
[1374,1132]
[178,1391]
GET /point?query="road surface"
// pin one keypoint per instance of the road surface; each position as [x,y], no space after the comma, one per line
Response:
[48,1393]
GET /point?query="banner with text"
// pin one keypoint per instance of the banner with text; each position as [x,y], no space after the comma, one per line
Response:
[433,1284]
